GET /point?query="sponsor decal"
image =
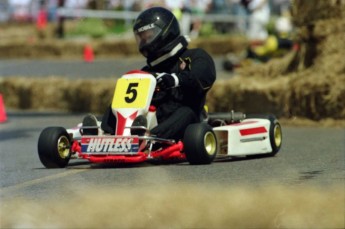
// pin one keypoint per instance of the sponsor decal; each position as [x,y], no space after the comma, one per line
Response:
[255,130]
[106,145]
[146,27]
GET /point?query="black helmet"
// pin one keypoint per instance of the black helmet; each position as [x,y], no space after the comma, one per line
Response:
[154,29]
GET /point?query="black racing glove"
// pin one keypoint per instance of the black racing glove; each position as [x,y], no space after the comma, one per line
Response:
[166,81]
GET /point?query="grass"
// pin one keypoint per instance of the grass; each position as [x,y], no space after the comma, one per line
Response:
[96,28]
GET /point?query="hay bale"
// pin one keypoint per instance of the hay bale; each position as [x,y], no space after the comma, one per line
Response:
[316,96]
[308,95]
[248,95]
[220,45]
[54,48]
[119,48]
[16,92]
[40,49]
[55,93]
[307,12]
[34,93]
[89,95]
[305,94]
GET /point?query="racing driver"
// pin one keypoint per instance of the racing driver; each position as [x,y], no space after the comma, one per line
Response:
[183,75]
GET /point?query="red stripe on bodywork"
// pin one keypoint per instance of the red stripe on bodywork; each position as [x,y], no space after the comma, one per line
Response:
[136,71]
[250,131]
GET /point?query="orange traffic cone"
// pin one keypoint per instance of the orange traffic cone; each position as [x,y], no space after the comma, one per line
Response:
[3,116]
[88,53]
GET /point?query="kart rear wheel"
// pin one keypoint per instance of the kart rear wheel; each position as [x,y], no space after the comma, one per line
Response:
[275,132]
[200,144]
[54,147]
[276,136]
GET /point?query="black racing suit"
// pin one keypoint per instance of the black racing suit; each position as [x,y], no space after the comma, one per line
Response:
[178,107]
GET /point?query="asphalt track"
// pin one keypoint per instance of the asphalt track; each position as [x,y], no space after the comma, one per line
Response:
[311,156]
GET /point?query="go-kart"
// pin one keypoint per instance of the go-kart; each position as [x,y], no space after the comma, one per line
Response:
[217,135]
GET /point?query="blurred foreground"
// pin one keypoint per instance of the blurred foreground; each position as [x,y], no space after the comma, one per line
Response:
[183,207]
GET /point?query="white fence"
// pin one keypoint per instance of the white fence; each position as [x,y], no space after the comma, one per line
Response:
[238,21]
[67,12]
[104,14]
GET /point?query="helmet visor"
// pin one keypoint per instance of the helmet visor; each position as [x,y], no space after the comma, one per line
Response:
[146,34]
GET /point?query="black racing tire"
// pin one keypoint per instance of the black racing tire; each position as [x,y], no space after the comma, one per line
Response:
[276,136]
[54,147]
[200,144]
[275,132]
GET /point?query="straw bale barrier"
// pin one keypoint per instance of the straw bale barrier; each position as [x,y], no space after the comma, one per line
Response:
[53,48]
[314,97]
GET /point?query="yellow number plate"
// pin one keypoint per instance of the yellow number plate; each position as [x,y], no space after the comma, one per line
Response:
[131,93]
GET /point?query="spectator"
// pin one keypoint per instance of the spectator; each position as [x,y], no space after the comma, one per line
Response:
[278,42]
[259,16]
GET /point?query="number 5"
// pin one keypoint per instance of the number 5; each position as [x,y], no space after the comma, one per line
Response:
[131,90]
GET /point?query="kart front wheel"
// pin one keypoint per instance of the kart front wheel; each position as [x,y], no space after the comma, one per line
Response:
[200,144]
[54,147]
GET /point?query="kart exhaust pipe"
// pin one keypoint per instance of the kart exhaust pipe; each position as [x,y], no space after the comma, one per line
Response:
[226,117]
